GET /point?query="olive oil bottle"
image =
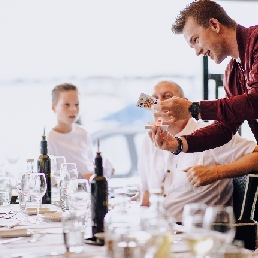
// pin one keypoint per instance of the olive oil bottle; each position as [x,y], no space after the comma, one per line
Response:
[44,166]
[99,196]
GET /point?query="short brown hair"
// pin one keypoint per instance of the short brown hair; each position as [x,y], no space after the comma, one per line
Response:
[202,11]
[61,88]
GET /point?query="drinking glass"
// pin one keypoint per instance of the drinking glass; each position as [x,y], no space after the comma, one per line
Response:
[18,184]
[197,237]
[68,172]
[26,189]
[38,181]
[221,222]
[5,191]
[79,197]
[56,162]
[73,230]
[12,155]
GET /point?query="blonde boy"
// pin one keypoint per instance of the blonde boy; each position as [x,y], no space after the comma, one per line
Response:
[67,138]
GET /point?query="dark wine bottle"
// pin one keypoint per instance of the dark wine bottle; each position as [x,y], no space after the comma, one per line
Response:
[44,166]
[99,196]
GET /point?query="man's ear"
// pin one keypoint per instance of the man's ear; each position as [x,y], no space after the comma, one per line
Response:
[215,25]
[53,107]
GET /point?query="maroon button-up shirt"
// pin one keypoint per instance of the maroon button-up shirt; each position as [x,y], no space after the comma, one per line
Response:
[241,87]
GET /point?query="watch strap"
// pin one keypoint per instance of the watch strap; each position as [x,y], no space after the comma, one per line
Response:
[180,146]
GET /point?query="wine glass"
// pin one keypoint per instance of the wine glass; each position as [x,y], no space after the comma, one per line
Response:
[18,184]
[56,162]
[38,182]
[221,222]
[197,236]
[68,171]
[24,183]
[13,156]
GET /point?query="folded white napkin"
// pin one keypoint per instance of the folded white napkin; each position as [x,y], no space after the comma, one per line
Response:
[21,232]
[33,211]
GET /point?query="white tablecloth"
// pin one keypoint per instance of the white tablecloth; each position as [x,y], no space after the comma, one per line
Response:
[51,241]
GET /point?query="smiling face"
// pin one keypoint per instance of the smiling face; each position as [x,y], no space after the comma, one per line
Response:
[67,107]
[206,41]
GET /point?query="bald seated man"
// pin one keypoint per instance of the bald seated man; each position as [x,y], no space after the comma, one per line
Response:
[192,177]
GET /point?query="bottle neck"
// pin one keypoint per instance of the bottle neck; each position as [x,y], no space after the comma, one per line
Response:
[43,148]
[98,165]
[30,167]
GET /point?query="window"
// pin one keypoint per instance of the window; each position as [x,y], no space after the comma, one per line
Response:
[109,55]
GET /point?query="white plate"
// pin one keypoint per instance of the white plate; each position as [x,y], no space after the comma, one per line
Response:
[33,211]
[55,217]
[21,232]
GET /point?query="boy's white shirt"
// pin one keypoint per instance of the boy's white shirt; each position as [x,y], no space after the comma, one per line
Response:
[153,164]
[76,147]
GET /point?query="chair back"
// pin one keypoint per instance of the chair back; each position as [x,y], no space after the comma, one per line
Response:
[245,209]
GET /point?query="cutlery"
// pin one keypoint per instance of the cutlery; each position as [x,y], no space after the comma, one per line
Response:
[11,215]
[14,225]
[10,225]
[3,214]
[11,240]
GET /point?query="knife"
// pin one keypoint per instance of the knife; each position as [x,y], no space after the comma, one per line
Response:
[14,225]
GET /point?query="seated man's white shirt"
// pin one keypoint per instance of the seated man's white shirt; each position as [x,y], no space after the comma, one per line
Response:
[75,146]
[151,165]
[179,191]
[154,162]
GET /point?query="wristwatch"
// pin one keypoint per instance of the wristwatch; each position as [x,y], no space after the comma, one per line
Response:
[194,109]
[180,146]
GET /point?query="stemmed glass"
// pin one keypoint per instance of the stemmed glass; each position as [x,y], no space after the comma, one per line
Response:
[198,236]
[68,171]
[25,189]
[13,157]
[220,221]
[56,162]
[38,182]
[18,183]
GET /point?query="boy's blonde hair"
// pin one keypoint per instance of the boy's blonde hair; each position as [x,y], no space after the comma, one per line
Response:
[62,88]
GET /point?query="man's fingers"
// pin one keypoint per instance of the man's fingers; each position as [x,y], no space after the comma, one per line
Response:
[161,107]
[186,169]
[164,113]
[150,134]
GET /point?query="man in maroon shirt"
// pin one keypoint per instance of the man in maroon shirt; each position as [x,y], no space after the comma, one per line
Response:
[211,32]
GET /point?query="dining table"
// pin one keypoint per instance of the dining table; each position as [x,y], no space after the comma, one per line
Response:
[30,239]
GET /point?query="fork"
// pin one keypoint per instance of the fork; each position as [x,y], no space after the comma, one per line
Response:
[11,215]
[3,214]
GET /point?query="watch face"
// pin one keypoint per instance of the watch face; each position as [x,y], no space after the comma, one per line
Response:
[194,109]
